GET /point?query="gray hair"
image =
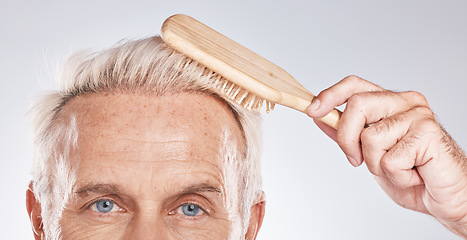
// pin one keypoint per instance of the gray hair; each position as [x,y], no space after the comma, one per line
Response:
[148,66]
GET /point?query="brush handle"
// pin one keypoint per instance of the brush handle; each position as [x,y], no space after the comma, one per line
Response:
[300,104]
[332,119]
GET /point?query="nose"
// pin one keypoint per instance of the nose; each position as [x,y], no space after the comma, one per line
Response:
[147,228]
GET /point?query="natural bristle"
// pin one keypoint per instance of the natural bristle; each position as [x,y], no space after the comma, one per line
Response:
[239,95]
[232,91]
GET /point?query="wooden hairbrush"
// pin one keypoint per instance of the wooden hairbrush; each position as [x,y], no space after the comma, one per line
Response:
[250,79]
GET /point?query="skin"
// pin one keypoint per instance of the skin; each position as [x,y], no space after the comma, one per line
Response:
[395,134]
[413,159]
[151,156]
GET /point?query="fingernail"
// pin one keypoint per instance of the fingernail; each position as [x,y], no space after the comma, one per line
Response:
[352,161]
[314,106]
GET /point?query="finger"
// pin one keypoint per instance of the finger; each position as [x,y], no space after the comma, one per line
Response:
[437,159]
[331,132]
[380,137]
[338,94]
[362,110]
[400,162]
[441,162]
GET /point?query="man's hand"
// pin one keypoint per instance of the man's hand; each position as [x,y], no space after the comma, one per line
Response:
[414,160]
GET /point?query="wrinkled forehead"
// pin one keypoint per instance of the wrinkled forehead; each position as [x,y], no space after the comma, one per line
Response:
[200,119]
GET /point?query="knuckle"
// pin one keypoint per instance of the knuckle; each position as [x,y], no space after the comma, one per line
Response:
[352,79]
[371,136]
[371,141]
[387,165]
[424,111]
[428,124]
[367,136]
[417,98]
[356,101]
[374,168]
[383,126]
[326,95]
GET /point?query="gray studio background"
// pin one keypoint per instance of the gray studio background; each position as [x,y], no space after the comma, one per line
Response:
[312,191]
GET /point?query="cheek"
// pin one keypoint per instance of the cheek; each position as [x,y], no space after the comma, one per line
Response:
[211,229]
[75,226]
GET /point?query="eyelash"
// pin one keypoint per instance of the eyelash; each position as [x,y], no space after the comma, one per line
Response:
[175,211]
[115,205]
[204,212]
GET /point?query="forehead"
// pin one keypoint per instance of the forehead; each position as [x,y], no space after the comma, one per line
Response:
[130,127]
[167,117]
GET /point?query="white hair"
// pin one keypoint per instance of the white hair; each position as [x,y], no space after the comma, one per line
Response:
[148,66]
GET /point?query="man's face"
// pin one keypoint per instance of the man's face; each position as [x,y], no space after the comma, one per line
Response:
[151,166]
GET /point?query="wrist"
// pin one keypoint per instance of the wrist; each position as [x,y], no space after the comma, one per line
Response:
[456,228]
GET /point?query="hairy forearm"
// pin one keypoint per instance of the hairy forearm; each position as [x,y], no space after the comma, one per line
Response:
[458,227]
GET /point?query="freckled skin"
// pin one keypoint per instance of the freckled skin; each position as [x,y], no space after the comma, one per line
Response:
[151,148]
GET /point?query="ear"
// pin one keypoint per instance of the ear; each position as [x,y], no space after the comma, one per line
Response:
[34,212]
[256,217]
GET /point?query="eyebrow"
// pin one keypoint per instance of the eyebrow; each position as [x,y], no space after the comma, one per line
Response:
[114,189]
[204,187]
[98,188]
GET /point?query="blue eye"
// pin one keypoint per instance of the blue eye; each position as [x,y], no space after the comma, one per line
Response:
[104,206]
[191,209]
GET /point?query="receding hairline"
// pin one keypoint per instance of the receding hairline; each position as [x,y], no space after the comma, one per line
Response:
[67,110]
